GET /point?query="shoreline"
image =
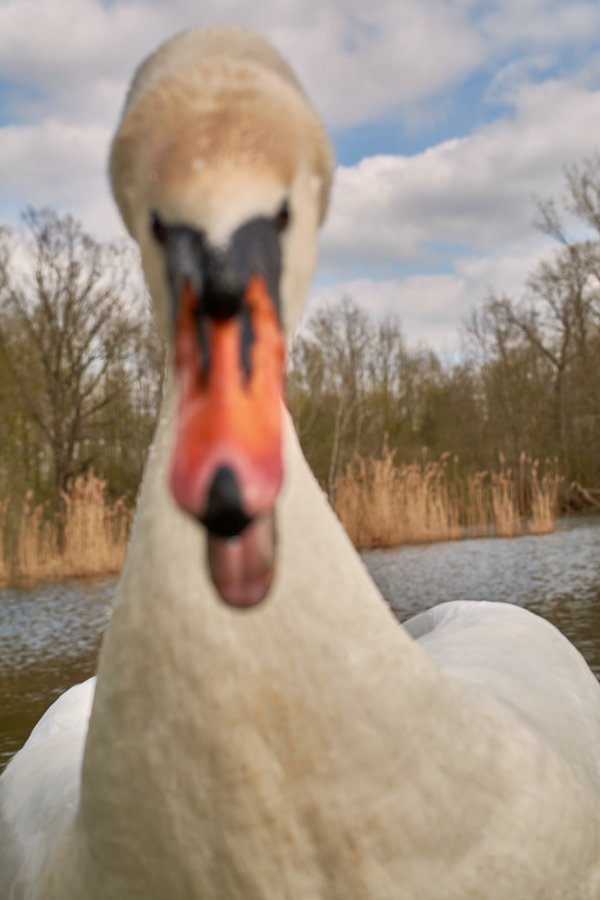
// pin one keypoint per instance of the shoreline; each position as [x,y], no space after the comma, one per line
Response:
[70,574]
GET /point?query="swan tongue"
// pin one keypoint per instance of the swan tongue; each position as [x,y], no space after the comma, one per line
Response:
[242,567]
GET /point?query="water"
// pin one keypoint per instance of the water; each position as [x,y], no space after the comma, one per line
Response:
[49,636]
[49,640]
[555,575]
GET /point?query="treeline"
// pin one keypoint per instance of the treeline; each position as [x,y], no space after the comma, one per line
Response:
[81,367]
[528,380]
[80,363]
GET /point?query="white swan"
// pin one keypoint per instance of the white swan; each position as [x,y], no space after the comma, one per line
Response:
[308,748]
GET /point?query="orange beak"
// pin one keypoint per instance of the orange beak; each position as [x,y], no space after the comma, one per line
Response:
[227,461]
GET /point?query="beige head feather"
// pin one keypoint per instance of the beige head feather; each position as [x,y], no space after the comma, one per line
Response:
[216,129]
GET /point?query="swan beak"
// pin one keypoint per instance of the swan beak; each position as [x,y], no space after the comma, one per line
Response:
[227,462]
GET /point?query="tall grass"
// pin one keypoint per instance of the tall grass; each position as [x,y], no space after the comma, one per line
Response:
[504,491]
[384,504]
[544,497]
[380,502]
[88,536]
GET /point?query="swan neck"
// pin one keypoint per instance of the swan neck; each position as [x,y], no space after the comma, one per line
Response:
[202,712]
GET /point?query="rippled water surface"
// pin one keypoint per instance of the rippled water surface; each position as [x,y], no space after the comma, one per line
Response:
[49,640]
[555,575]
[49,636]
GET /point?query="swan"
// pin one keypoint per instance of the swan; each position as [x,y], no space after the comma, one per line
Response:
[261,726]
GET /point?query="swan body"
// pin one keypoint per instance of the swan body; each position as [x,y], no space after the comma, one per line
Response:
[310,747]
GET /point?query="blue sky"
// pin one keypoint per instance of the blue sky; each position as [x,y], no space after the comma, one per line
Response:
[448,117]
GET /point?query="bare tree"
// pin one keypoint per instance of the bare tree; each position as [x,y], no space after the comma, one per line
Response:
[546,343]
[64,327]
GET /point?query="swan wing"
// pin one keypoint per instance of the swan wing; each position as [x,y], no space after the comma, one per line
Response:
[39,790]
[524,662]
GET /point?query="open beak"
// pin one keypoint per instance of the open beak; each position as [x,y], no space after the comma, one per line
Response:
[227,462]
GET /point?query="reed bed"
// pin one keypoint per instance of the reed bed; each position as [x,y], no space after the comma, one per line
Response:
[87,537]
[504,490]
[385,504]
[381,503]
[545,492]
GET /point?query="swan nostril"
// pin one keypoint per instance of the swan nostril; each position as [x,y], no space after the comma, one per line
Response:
[224,515]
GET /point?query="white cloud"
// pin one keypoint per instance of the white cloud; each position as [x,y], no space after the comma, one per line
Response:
[533,24]
[51,164]
[473,192]
[461,211]
[377,58]
[463,207]
[69,61]
[432,307]
[357,61]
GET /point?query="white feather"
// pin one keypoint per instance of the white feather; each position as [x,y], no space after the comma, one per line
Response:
[524,662]
[39,790]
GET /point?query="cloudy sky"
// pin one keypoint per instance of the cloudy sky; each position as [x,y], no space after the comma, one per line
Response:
[448,118]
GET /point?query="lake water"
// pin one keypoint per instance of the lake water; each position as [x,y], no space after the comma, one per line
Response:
[50,635]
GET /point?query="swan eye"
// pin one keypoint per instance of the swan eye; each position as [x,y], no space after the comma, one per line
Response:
[158,229]
[282,219]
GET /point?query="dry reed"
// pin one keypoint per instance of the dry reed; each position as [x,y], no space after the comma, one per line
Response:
[88,537]
[544,497]
[505,505]
[383,504]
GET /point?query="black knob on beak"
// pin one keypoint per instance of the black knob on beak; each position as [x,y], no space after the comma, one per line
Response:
[224,515]
[224,286]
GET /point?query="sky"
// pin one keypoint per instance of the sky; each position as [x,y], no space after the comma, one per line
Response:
[448,117]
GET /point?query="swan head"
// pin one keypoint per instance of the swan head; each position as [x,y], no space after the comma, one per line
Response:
[222,171]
